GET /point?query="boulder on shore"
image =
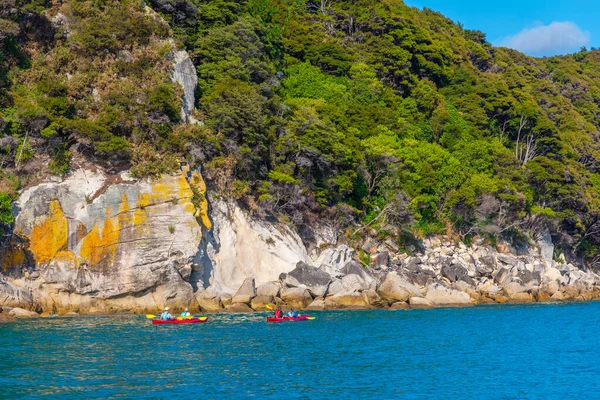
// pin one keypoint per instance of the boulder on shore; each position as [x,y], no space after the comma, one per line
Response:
[354,268]
[400,305]
[371,297]
[396,288]
[269,289]
[246,292]
[352,299]
[419,302]
[441,295]
[354,282]
[296,297]
[317,304]
[314,279]
[209,301]
[260,302]
[22,313]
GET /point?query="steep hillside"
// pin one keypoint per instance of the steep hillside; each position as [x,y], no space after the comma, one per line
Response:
[376,117]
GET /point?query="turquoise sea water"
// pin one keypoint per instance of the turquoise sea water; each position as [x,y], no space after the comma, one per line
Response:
[492,352]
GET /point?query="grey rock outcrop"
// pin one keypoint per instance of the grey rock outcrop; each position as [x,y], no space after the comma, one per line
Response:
[396,288]
[246,292]
[304,275]
[353,267]
[269,289]
[546,247]
[13,296]
[184,73]
[333,260]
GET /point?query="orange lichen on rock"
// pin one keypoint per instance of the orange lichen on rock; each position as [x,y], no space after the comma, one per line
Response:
[198,186]
[124,216]
[67,259]
[50,235]
[161,192]
[140,213]
[91,248]
[99,247]
[185,191]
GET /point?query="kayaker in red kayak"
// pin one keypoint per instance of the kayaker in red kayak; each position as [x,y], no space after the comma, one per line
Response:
[186,314]
[292,313]
[278,313]
[166,315]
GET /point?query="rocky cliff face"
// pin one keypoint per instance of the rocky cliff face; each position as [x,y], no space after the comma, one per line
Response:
[103,242]
[107,243]
[184,73]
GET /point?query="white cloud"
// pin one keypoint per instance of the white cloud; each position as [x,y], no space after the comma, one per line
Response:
[556,38]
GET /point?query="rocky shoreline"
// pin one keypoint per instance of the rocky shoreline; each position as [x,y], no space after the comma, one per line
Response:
[138,246]
[444,275]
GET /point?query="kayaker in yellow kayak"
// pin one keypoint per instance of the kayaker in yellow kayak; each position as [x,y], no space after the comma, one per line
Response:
[186,313]
[166,315]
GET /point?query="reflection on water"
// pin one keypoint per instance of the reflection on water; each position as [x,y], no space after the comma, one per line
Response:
[537,351]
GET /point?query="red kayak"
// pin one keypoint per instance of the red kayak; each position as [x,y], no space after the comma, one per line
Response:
[301,318]
[179,321]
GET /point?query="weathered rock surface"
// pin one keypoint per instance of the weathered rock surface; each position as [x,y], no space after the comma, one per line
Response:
[102,243]
[333,260]
[354,282]
[246,292]
[314,279]
[296,297]
[440,295]
[260,302]
[396,288]
[184,73]
[209,301]
[317,304]
[346,299]
[109,242]
[22,313]
[419,302]
[354,268]
[241,247]
[269,289]
[13,296]
[400,305]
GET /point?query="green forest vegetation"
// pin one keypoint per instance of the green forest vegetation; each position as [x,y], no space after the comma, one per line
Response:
[369,115]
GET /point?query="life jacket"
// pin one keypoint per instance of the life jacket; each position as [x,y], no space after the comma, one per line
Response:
[185,314]
[277,313]
[164,316]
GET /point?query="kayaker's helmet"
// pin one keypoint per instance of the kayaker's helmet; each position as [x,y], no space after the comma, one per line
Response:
[166,308]
[186,309]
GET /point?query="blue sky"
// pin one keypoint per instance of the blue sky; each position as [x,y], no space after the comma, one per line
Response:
[535,27]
